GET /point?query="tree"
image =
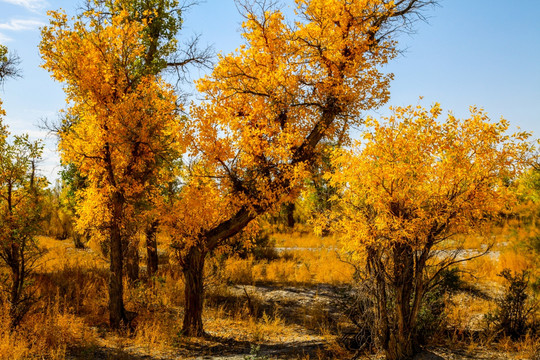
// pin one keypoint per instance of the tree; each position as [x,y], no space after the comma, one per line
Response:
[72,183]
[408,188]
[160,22]
[20,192]
[267,107]
[120,126]
[9,63]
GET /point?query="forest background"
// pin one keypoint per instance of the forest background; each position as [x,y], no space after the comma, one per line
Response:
[119,200]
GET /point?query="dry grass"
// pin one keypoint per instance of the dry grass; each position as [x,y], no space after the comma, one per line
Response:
[302,260]
[304,240]
[71,314]
[48,333]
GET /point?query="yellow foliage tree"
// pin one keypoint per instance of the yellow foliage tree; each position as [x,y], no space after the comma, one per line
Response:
[266,109]
[120,126]
[408,187]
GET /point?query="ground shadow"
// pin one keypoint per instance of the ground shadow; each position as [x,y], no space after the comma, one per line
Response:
[427,355]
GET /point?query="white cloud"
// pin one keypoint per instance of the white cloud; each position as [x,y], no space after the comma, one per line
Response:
[21,24]
[32,5]
[4,39]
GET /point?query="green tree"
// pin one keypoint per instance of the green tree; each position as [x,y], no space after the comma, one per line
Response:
[20,192]
[20,199]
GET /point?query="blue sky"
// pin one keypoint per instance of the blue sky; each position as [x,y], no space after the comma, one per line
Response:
[471,52]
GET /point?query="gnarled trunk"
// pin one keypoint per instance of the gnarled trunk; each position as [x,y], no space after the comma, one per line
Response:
[193,270]
[397,298]
[403,339]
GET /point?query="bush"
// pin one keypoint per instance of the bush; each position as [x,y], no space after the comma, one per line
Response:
[513,307]
[357,305]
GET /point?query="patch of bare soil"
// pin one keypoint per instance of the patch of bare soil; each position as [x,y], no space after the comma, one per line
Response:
[296,306]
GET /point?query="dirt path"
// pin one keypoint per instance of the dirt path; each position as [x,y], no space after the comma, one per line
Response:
[296,305]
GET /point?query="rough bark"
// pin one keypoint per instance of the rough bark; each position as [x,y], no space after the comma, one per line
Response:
[396,325]
[193,275]
[117,312]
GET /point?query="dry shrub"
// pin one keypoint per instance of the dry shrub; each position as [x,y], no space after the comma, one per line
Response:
[79,290]
[292,268]
[238,271]
[484,267]
[306,261]
[317,319]
[330,269]
[156,331]
[165,290]
[281,271]
[515,314]
[305,267]
[514,261]
[57,331]
[47,334]
[13,346]
[335,350]
[243,325]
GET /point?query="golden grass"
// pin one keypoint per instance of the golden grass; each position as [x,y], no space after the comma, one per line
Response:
[72,286]
[293,267]
[44,334]
[304,240]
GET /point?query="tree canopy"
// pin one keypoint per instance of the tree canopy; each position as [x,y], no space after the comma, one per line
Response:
[410,186]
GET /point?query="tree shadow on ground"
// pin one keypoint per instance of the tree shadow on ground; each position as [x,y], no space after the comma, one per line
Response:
[306,306]
[104,353]
[427,355]
[215,346]
[209,347]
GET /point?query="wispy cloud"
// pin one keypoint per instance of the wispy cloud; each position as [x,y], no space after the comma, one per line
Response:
[21,24]
[32,5]
[4,39]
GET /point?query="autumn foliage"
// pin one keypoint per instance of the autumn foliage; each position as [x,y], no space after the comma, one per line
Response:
[267,108]
[270,130]
[408,188]
[120,126]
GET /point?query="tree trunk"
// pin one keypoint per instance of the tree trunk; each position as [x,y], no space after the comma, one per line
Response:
[151,249]
[193,270]
[17,278]
[132,261]
[398,350]
[402,342]
[289,211]
[117,312]
[377,277]
[78,241]
[394,296]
